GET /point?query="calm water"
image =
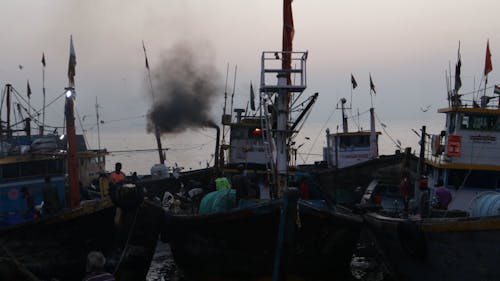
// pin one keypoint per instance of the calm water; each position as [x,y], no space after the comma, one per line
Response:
[193,149]
[163,267]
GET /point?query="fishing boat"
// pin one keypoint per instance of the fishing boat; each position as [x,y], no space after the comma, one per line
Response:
[285,235]
[454,243]
[55,245]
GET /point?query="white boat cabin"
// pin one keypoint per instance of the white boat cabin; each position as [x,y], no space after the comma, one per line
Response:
[466,155]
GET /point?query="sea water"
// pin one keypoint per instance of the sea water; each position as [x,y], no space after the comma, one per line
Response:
[194,149]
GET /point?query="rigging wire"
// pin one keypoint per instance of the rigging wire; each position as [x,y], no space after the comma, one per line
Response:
[385,131]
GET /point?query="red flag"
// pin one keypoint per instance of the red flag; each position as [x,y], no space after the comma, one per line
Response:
[288,32]
[372,86]
[72,63]
[488,67]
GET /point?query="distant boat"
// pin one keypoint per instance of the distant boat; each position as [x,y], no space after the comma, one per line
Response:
[284,235]
[457,242]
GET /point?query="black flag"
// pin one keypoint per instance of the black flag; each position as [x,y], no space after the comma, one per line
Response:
[43,59]
[28,89]
[353,81]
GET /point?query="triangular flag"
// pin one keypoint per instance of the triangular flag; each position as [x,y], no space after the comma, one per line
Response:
[28,89]
[43,59]
[372,86]
[72,62]
[353,81]
[458,80]
[252,97]
[488,67]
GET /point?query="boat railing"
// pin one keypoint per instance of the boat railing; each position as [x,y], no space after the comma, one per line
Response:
[272,68]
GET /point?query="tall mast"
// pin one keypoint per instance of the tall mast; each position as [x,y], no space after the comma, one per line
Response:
[43,91]
[74,186]
[157,130]
[98,131]
[283,98]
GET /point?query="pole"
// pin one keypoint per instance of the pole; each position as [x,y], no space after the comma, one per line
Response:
[43,91]
[98,131]
[73,176]
[157,129]
[234,86]
[224,109]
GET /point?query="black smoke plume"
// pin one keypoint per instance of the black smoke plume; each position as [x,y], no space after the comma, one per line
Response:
[185,85]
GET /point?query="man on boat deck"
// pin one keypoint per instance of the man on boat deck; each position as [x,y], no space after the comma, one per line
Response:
[51,202]
[404,191]
[221,182]
[30,203]
[117,176]
[242,185]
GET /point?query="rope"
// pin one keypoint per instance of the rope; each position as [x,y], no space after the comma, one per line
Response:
[131,230]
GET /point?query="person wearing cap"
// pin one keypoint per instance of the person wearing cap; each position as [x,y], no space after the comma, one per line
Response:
[95,268]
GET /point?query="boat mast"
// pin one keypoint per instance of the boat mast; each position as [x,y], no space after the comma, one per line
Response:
[43,91]
[345,128]
[157,130]
[98,131]
[74,186]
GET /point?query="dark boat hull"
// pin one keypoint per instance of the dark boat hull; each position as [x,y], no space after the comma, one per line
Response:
[438,249]
[241,244]
[57,246]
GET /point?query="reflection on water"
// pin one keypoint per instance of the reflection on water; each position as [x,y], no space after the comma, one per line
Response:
[364,268]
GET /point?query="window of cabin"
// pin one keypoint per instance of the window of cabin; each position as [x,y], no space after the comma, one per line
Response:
[480,122]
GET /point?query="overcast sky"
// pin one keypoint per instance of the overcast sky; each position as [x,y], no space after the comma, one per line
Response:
[406,46]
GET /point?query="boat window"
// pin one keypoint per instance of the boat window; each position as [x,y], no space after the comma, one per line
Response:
[354,141]
[480,122]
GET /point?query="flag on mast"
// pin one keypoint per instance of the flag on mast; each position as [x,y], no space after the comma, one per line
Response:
[72,63]
[28,89]
[458,80]
[488,67]
[353,81]
[43,59]
[288,33]
[372,86]
[145,56]
[252,97]
[497,89]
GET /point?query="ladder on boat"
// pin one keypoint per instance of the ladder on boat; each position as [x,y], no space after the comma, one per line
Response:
[276,82]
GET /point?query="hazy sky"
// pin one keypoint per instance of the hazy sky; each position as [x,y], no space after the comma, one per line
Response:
[406,45]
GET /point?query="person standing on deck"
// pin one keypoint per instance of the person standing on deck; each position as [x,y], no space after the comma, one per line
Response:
[117,176]
[404,191]
[51,202]
[443,196]
[30,203]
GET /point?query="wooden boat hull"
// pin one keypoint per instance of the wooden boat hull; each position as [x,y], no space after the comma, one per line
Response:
[439,248]
[57,246]
[241,243]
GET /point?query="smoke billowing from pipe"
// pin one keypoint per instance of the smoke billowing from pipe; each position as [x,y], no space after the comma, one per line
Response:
[185,85]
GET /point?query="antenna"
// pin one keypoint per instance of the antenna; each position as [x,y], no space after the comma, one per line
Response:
[234,86]
[224,109]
